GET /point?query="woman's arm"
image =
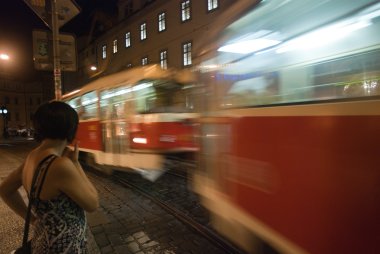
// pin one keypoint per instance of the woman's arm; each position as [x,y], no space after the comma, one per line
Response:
[72,180]
[10,194]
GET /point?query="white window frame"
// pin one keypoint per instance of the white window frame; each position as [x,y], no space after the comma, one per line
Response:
[164,59]
[128,39]
[212,4]
[114,46]
[185,10]
[186,53]
[143,33]
[144,61]
[162,22]
[104,51]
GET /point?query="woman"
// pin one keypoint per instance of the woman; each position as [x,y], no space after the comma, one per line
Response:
[58,215]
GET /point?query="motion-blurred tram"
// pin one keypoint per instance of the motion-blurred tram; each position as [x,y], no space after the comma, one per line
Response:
[289,154]
[135,118]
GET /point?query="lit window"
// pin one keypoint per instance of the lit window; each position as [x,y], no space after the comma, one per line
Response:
[104,51]
[128,39]
[161,22]
[164,59]
[185,10]
[212,4]
[144,61]
[114,49]
[186,52]
[143,31]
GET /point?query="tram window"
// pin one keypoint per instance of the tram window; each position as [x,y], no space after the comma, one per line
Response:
[162,96]
[75,104]
[89,106]
[351,76]
[115,103]
[144,94]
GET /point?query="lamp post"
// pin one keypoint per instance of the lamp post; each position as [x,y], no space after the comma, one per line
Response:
[3,110]
[4,113]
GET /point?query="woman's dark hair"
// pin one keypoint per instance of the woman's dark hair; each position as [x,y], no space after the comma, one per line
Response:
[55,120]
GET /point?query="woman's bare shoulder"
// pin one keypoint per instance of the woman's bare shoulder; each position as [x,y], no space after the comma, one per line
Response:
[62,165]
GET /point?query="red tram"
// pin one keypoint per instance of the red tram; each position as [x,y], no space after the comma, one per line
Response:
[289,144]
[135,118]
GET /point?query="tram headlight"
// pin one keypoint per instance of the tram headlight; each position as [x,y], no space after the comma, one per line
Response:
[140,140]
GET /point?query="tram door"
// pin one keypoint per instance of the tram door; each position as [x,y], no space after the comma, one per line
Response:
[115,106]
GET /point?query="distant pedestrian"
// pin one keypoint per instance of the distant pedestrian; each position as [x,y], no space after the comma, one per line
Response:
[58,215]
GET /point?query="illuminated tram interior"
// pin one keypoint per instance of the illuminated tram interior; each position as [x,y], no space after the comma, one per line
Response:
[324,50]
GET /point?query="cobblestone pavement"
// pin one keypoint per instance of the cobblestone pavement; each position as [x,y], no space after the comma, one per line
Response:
[129,223]
[11,225]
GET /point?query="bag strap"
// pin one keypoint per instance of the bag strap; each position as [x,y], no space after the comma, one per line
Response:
[32,198]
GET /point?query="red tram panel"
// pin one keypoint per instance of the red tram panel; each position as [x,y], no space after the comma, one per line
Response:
[89,135]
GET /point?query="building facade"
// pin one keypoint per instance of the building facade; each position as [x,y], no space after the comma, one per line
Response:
[146,32]
[20,100]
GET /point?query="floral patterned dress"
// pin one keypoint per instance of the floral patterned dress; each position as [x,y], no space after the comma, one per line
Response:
[61,224]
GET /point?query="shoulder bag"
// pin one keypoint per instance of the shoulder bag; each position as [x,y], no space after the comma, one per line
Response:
[26,247]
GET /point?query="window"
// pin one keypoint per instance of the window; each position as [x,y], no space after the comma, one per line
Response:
[185,10]
[212,4]
[114,48]
[164,59]
[144,61]
[104,51]
[128,9]
[186,52]
[143,31]
[89,106]
[161,22]
[128,39]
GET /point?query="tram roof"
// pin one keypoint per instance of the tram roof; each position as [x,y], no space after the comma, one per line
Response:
[132,76]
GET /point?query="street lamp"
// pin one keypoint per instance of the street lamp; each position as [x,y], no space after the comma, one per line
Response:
[4,113]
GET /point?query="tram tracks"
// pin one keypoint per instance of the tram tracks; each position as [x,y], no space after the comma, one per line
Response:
[183,217]
[171,193]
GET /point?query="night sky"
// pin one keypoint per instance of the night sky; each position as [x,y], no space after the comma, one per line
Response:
[17,21]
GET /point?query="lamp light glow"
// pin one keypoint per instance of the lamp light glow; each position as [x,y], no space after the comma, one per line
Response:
[4,56]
